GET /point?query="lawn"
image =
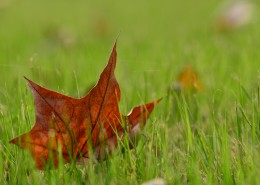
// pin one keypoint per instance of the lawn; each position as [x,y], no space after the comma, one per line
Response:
[208,137]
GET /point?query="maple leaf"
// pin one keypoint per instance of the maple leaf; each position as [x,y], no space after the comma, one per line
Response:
[74,126]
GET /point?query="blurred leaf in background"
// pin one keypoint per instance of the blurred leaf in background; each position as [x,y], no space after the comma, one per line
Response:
[234,14]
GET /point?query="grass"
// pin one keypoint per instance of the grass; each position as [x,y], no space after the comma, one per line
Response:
[212,137]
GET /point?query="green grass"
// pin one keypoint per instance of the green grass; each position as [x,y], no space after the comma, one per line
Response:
[212,137]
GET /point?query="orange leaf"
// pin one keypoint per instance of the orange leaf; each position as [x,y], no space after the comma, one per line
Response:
[189,79]
[74,125]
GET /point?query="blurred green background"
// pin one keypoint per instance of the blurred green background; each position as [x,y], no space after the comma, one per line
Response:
[52,41]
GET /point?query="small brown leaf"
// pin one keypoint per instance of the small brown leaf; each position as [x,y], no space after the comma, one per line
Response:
[189,80]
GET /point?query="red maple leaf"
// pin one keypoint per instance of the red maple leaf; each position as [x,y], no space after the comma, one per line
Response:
[74,126]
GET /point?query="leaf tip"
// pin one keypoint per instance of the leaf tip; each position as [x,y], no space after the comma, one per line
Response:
[115,44]
[158,101]
[117,37]
[28,80]
[31,84]
[14,141]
